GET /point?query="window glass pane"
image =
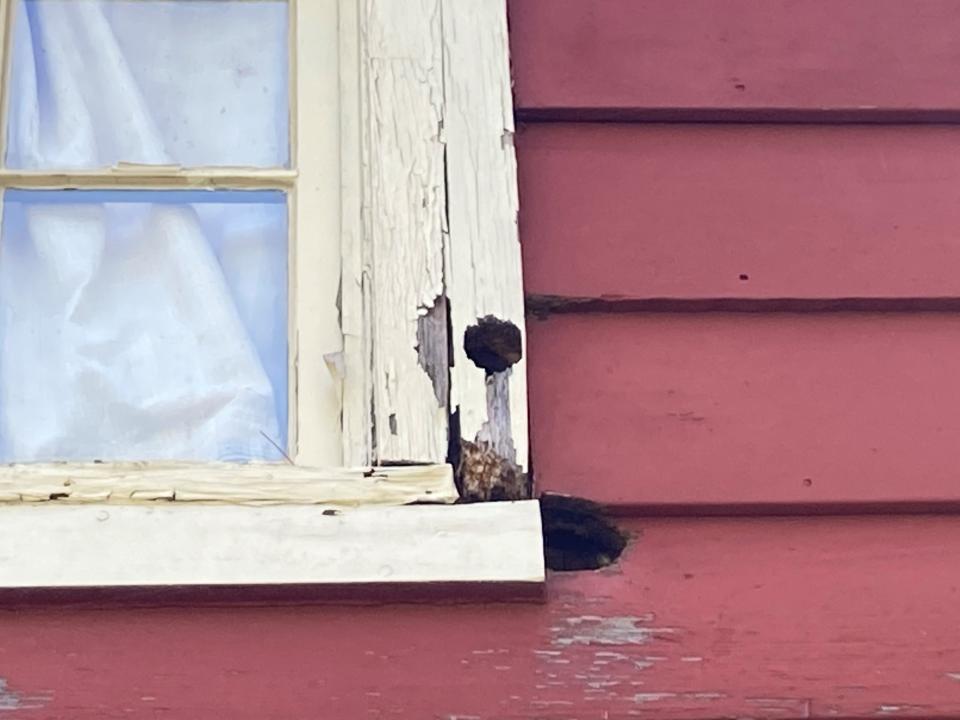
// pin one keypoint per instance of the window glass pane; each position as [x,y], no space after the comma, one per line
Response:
[139,325]
[184,82]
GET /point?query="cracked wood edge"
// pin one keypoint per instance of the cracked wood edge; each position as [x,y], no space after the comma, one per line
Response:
[396,275]
[59,484]
[430,236]
[484,276]
[83,546]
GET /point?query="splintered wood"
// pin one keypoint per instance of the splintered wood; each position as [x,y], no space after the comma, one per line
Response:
[437,239]
[247,484]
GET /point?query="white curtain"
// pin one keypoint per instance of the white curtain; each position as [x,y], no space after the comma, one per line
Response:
[135,324]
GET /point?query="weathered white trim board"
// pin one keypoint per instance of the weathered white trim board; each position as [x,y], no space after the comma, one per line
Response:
[430,214]
[48,546]
[251,484]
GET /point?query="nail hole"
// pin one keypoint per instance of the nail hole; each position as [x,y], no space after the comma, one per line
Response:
[807,482]
[744,276]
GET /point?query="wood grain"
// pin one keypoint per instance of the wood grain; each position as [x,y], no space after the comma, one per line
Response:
[703,58]
[429,219]
[484,275]
[760,618]
[704,211]
[747,412]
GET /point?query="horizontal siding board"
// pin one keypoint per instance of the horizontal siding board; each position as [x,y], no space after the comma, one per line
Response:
[706,211]
[759,618]
[727,411]
[793,56]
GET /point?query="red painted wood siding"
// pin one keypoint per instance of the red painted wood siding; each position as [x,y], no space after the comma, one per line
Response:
[780,58]
[779,221]
[695,410]
[761,618]
[744,300]
[740,211]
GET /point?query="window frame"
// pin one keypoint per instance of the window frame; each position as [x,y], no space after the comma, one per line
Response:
[427,218]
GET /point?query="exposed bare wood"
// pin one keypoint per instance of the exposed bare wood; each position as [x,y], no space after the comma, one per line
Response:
[66,483]
[436,143]
[87,546]
[484,270]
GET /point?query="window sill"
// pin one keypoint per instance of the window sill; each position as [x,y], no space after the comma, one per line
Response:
[314,533]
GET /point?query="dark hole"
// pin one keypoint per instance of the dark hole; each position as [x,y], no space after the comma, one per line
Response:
[807,482]
[577,534]
[740,86]
[392,421]
[493,344]
[330,512]
[744,276]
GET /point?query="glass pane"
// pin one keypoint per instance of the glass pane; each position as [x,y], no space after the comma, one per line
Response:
[183,82]
[141,325]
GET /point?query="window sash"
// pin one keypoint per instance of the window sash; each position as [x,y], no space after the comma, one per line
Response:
[312,186]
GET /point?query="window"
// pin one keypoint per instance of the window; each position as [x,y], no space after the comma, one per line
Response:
[145,318]
[227,259]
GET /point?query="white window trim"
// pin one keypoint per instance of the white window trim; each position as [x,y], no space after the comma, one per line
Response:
[434,95]
[427,215]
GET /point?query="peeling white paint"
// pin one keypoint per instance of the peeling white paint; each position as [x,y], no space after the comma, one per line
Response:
[429,212]
[953,676]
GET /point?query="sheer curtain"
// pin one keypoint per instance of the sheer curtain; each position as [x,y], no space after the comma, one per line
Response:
[136,324]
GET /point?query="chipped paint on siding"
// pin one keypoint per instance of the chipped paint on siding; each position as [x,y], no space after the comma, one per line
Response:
[618,630]
[11,700]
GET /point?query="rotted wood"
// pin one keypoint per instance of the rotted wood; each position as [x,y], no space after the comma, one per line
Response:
[438,247]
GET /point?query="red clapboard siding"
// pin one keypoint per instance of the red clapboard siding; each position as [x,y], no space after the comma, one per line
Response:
[683,211]
[759,618]
[777,56]
[733,410]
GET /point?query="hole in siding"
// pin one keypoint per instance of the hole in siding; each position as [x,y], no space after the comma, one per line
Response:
[744,276]
[493,344]
[578,535]
[392,420]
